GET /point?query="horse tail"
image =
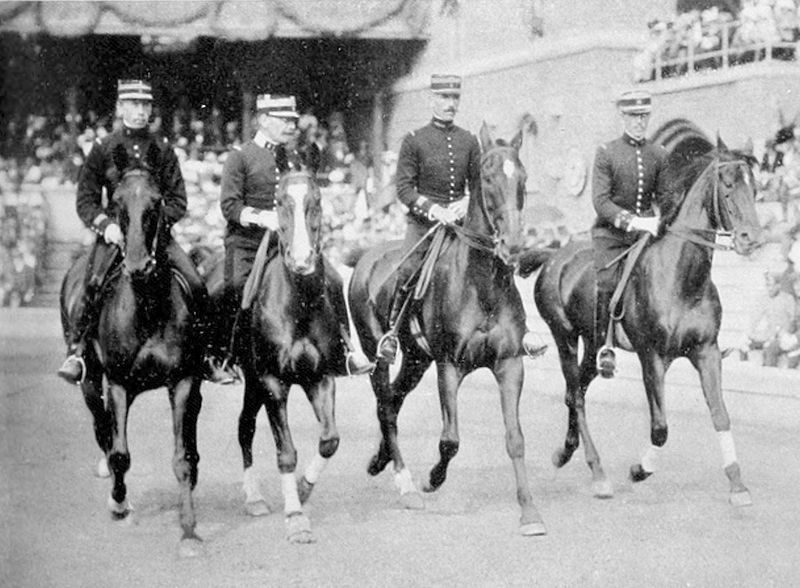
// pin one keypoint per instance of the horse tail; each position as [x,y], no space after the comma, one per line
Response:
[532,259]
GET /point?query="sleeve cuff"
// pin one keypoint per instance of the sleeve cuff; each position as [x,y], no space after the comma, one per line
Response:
[421,206]
[100,222]
[623,219]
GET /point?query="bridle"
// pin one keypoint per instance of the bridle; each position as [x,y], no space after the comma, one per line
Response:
[152,260]
[487,243]
[289,178]
[719,204]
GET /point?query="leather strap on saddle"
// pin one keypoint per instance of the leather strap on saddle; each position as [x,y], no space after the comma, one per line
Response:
[426,273]
[263,256]
[631,255]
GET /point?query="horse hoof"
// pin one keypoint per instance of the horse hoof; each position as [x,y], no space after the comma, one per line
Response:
[532,529]
[304,488]
[102,470]
[257,508]
[741,498]
[190,547]
[119,510]
[429,487]
[561,458]
[602,489]
[376,465]
[638,474]
[412,501]
[298,529]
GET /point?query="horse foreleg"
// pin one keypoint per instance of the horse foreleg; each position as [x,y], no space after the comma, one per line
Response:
[186,402]
[323,399]
[298,526]
[254,502]
[509,374]
[449,380]
[708,364]
[119,458]
[654,368]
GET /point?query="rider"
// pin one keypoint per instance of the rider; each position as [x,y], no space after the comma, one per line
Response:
[249,179]
[98,178]
[436,163]
[626,177]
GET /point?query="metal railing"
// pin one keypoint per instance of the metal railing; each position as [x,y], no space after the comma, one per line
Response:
[731,53]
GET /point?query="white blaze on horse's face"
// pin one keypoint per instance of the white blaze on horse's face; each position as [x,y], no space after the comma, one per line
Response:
[302,252]
[509,168]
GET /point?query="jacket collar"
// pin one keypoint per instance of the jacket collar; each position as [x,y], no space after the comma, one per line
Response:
[260,139]
[633,142]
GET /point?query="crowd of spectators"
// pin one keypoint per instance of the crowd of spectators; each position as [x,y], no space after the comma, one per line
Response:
[762,29]
[41,152]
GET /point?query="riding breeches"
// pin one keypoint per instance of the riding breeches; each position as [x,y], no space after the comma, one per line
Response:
[607,246]
[415,231]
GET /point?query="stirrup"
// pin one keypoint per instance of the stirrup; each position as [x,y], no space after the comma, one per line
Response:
[388,339]
[606,361]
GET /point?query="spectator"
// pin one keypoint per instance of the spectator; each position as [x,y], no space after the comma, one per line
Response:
[774,319]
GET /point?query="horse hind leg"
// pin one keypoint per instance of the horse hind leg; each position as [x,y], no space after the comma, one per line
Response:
[322,396]
[578,377]
[119,457]
[186,402]
[390,399]
[449,381]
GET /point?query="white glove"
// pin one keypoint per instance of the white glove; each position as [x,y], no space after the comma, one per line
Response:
[267,219]
[113,234]
[459,208]
[787,341]
[644,223]
[442,214]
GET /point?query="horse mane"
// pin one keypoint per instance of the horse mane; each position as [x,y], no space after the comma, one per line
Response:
[682,172]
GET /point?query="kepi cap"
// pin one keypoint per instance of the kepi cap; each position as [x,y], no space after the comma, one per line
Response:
[280,106]
[134,90]
[445,84]
[635,102]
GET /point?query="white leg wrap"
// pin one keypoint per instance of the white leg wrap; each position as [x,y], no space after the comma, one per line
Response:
[404,482]
[728,448]
[291,501]
[250,486]
[315,468]
[650,459]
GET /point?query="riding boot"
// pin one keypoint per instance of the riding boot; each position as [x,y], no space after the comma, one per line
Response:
[73,370]
[606,358]
[388,343]
[220,361]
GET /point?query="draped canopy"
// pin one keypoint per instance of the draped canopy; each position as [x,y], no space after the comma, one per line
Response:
[228,19]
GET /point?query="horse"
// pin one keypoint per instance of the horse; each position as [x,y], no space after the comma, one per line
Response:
[147,337]
[293,336]
[471,317]
[670,307]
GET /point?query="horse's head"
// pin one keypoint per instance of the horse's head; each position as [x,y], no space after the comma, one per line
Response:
[500,206]
[720,187]
[139,203]
[299,206]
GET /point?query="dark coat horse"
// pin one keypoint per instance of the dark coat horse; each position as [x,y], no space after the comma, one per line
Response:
[472,317]
[294,337]
[146,338]
[670,307]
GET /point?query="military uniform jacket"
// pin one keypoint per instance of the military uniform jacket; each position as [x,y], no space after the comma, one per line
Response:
[249,179]
[627,174]
[437,162]
[100,172]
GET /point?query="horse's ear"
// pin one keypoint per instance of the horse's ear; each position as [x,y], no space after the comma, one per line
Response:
[486,137]
[721,146]
[152,157]
[313,157]
[120,157]
[516,142]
